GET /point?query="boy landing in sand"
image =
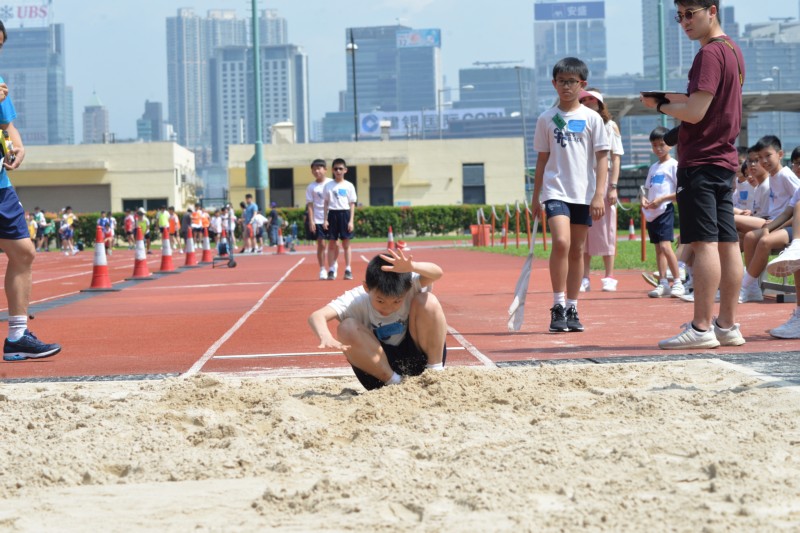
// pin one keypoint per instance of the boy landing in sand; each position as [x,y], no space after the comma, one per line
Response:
[392,325]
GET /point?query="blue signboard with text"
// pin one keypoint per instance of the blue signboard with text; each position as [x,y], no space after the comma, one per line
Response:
[569,11]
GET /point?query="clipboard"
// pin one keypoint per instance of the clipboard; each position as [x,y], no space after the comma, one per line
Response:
[671,97]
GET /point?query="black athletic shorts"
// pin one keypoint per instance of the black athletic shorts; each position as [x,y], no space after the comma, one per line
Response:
[663,227]
[405,359]
[577,213]
[705,204]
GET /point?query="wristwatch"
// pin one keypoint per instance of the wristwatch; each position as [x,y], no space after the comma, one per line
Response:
[612,185]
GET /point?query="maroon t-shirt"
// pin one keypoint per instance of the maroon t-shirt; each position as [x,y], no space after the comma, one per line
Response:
[712,141]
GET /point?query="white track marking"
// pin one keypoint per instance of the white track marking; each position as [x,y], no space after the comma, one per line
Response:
[209,286]
[771,380]
[228,334]
[363,258]
[292,372]
[295,354]
[470,348]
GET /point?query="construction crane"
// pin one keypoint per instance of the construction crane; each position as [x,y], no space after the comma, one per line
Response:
[495,63]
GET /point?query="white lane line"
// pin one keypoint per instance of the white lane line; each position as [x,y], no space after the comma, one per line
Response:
[295,354]
[291,372]
[363,258]
[470,348]
[209,286]
[767,379]
[228,334]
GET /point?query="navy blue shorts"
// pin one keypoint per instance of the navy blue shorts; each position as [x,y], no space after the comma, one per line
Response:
[576,213]
[705,201]
[320,234]
[663,227]
[405,359]
[12,216]
[337,225]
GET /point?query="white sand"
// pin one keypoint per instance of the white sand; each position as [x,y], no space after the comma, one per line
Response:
[690,446]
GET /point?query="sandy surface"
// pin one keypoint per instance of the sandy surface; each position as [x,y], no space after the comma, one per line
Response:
[689,446]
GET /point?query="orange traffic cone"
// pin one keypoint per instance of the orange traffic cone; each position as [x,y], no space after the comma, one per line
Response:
[101,282]
[140,270]
[390,245]
[208,257]
[167,266]
[191,256]
[631,231]
[223,244]
[281,249]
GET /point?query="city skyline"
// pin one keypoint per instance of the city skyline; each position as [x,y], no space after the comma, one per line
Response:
[319,28]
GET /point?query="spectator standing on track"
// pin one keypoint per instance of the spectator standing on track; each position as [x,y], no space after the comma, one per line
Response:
[197,226]
[143,223]
[129,226]
[390,326]
[250,209]
[707,164]
[259,223]
[41,224]
[339,213]
[162,220]
[275,222]
[602,237]
[661,184]
[68,232]
[186,226]
[315,213]
[15,242]
[174,225]
[573,145]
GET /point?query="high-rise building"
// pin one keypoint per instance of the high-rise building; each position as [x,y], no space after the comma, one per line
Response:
[494,85]
[284,96]
[274,30]
[568,29]
[95,122]
[150,128]
[191,41]
[34,68]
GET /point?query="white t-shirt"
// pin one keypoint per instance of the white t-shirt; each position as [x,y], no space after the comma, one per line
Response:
[569,174]
[759,205]
[782,187]
[340,195]
[615,138]
[389,329]
[315,195]
[216,224]
[258,221]
[662,179]
[742,194]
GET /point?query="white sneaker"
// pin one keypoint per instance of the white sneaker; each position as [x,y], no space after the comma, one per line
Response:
[688,285]
[677,289]
[585,285]
[609,284]
[690,297]
[751,294]
[786,264]
[662,291]
[789,330]
[651,279]
[728,337]
[323,274]
[690,338]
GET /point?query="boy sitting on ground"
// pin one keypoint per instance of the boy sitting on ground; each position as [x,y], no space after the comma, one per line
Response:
[392,325]
[786,264]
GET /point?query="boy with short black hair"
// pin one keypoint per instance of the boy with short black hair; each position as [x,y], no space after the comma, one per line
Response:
[661,184]
[315,213]
[567,137]
[391,325]
[339,218]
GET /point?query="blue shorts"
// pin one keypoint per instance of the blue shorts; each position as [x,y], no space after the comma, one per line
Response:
[320,234]
[576,213]
[663,227]
[12,216]
[337,225]
[405,359]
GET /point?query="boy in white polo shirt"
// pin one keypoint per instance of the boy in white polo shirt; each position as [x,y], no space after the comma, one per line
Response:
[340,210]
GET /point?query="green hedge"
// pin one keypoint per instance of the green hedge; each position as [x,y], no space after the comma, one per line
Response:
[375,221]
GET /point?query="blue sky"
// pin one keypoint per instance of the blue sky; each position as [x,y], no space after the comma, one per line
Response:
[119,48]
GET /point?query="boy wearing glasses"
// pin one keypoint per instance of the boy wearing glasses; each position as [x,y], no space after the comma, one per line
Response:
[340,210]
[707,165]
[569,139]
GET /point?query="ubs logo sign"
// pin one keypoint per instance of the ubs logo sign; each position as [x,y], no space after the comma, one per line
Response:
[23,15]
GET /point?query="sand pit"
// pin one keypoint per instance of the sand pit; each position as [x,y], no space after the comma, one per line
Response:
[688,446]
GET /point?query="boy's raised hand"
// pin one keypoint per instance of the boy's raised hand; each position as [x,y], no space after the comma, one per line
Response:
[400,263]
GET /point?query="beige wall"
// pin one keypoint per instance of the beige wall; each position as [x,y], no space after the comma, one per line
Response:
[425,172]
[128,171]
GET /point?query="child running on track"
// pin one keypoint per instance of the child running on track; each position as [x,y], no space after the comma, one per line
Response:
[392,325]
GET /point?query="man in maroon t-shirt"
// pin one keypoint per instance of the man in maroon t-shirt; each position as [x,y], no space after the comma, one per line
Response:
[707,163]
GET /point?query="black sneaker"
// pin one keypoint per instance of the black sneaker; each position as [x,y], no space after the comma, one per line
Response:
[558,319]
[348,274]
[572,319]
[331,275]
[28,347]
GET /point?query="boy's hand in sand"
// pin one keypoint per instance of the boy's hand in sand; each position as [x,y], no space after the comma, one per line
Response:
[333,343]
[400,263]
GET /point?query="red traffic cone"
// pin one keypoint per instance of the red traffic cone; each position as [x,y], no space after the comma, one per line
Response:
[167,266]
[191,256]
[631,231]
[208,257]
[223,244]
[140,269]
[281,249]
[390,245]
[101,282]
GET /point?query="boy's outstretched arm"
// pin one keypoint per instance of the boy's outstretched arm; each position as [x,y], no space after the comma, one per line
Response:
[401,263]
[319,325]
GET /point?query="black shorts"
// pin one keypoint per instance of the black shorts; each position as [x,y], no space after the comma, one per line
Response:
[12,216]
[705,202]
[337,225]
[405,359]
[663,227]
[577,213]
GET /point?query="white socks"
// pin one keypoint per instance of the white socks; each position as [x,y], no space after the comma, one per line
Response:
[559,298]
[436,366]
[16,327]
[394,380]
[572,303]
[748,280]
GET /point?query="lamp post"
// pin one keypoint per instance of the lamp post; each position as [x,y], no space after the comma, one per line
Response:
[351,49]
[524,129]
[776,73]
[439,103]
